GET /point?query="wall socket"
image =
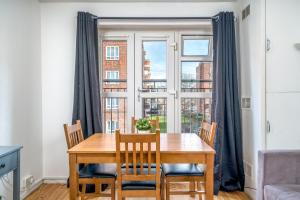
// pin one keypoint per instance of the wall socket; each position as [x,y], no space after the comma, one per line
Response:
[28,181]
[246,102]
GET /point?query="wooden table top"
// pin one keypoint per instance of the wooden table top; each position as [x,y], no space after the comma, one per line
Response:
[169,143]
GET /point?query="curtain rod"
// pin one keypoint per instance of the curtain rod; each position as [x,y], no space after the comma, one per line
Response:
[168,18]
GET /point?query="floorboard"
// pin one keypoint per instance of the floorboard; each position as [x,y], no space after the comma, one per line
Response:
[61,192]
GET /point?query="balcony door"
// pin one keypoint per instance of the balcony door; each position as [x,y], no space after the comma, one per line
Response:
[154,78]
[164,74]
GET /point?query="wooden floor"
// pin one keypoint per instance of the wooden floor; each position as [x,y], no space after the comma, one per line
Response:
[61,192]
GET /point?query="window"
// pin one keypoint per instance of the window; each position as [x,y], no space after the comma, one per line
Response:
[196,81]
[151,79]
[112,52]
[112,77]
[194,45]
[111,126]
[112,103]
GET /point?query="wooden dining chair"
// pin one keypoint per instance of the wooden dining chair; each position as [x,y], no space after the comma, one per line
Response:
[138,181]
[91,174]
[153,122]
[207,133]
[192,173]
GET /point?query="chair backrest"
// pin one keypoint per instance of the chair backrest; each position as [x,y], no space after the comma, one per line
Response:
[207,132]
[73,134]
[138,151]
[153,122]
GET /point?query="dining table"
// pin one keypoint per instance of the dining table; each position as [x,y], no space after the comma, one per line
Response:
[174,148]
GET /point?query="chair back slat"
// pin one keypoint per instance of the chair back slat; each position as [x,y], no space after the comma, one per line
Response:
[141,158]
[207,132]
[149,157]
[73,134]
[153,122]
[126,157]
[136,146]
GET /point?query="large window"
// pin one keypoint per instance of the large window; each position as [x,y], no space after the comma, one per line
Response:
[112,53]
[157,74]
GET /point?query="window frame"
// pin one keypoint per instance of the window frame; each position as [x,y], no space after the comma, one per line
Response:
[200,58]
[116,53]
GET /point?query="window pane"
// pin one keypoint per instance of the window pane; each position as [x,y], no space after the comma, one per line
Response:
[193,112]
[156,107]
[114,69]
[155,65]
[196,47]
[115,113]
[196,76]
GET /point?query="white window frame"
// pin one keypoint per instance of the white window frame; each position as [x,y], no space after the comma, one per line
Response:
[107,72]
[112,103]
[112,49]
[109,126]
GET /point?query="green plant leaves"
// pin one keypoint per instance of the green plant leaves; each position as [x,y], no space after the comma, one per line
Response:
[143,124]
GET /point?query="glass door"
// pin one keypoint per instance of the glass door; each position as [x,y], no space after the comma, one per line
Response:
[154,78]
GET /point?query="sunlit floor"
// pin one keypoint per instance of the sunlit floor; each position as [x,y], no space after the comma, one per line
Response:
[61,192]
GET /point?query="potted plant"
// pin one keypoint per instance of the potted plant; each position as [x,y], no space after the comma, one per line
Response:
[143,126]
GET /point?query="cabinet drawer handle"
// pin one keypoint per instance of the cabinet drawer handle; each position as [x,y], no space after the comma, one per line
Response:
[2,165]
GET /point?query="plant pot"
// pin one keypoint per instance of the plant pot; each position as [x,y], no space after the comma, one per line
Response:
[144,131]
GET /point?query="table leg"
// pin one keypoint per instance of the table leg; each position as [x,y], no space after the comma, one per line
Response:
[16,180]
[209,182]
[73,177]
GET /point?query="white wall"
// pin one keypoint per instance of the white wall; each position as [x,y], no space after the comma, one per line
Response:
[252,55]
[58,55]
[20,83]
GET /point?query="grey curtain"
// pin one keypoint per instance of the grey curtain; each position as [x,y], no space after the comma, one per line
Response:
[229,171]
[87,105]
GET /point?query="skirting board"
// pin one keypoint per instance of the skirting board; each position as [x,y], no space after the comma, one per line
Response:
[62,180]
[34,186]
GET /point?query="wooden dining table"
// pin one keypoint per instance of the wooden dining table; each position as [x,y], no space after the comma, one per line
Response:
[174,148]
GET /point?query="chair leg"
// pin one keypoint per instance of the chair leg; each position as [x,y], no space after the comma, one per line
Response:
[158,194]
[167,190]
[162,189]
[192,187]
[113,191]
[119,194]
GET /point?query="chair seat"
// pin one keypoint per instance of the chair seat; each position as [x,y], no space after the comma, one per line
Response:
[183,170]
[139,185]
[98,171]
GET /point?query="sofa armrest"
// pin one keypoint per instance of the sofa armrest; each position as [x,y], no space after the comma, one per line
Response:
[277,167]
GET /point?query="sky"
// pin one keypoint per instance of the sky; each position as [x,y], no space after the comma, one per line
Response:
[156,52]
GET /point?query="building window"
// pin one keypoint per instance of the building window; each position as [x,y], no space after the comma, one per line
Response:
[112,52]
[112,103]
[112,77]
[111,126]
